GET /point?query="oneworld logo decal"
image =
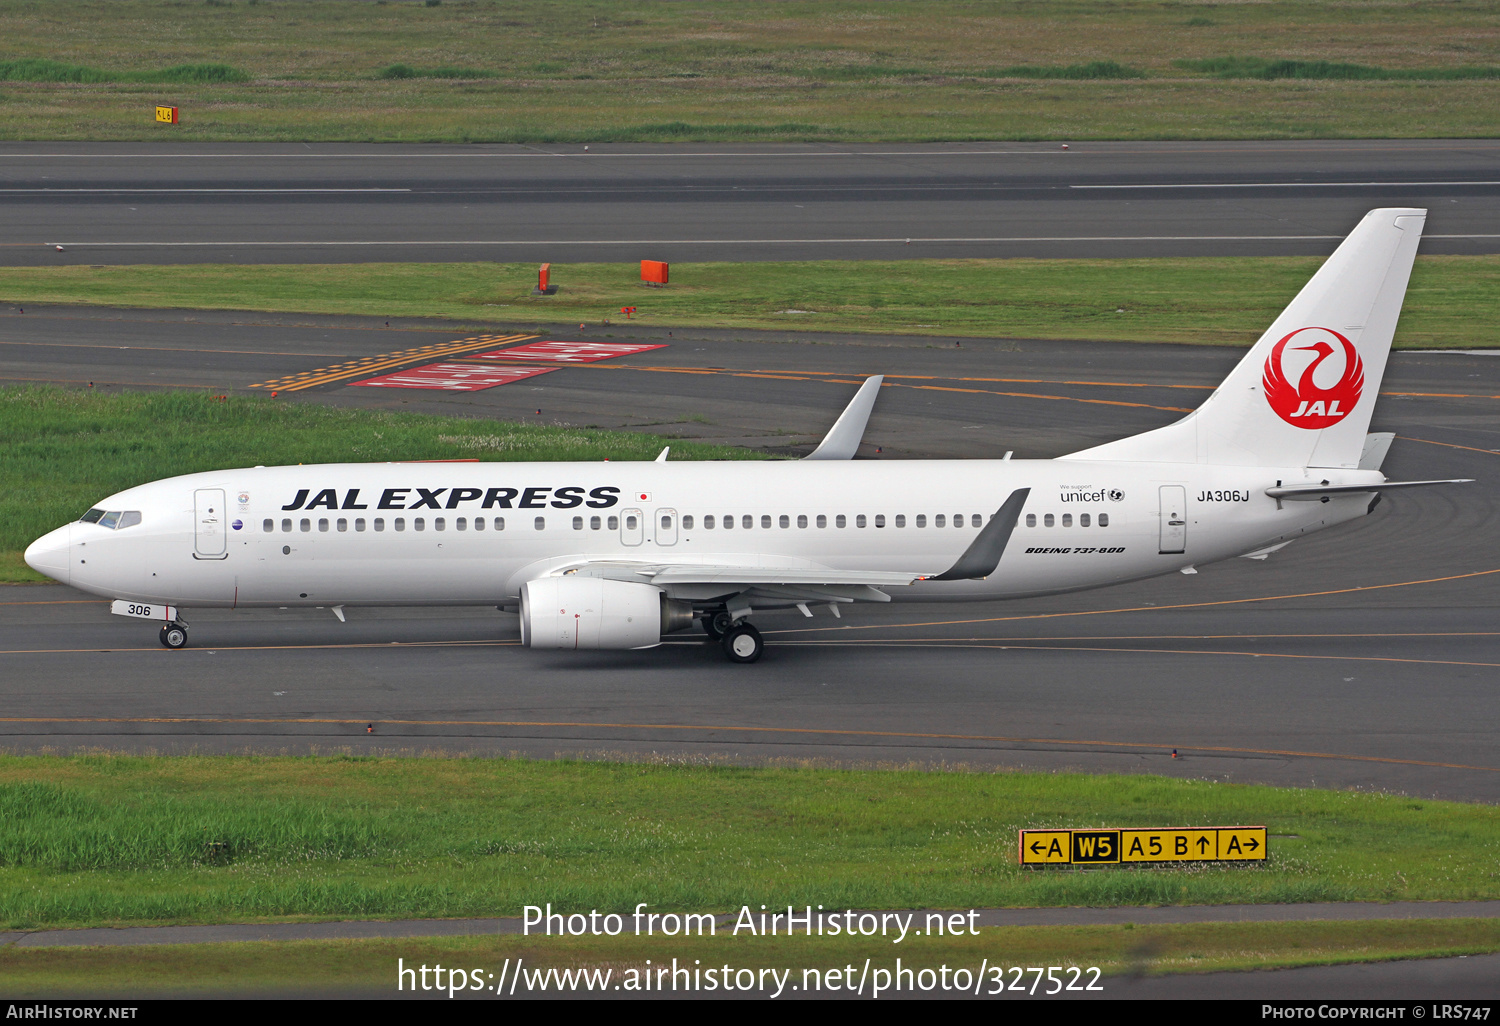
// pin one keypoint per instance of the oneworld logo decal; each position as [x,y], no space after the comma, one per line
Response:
[1323,395]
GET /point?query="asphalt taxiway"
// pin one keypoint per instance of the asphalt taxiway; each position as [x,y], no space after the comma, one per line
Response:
[107,203]
[1365,656]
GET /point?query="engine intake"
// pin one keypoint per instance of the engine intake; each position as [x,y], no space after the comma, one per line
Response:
[591,612]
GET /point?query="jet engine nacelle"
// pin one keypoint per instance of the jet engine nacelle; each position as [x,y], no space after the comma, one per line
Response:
[591,612]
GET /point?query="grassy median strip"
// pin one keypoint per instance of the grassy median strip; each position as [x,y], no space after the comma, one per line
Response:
[1453,301]
[61,451]
[835,70]
[95,840]
[817,964]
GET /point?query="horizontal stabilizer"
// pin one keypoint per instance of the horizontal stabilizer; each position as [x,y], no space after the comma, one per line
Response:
[1312,493]
[1377,444]
[842,440]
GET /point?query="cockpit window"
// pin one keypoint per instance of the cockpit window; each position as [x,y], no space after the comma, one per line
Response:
[114,519]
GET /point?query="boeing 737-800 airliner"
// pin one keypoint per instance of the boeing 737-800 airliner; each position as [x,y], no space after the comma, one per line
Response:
[615,555]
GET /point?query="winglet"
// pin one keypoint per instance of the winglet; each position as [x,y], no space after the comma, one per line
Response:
[984,552]
[842,440]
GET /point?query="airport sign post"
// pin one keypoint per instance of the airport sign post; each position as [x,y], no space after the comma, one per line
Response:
[166,115]
[1085,847]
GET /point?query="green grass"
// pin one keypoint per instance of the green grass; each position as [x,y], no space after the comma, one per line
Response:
[62,451]
[41,70]
[832,70]
[1259,67]
[117,839]
[370,966]
[1453,301]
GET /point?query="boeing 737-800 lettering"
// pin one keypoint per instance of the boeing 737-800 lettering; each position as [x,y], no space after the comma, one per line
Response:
[616,555]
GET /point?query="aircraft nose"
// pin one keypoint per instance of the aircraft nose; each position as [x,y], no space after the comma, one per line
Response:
[49,554]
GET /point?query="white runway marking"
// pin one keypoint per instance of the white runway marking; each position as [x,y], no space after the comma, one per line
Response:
[743,242]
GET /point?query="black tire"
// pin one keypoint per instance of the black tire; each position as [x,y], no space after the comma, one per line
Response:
[715,624]
[742,643]
[174,635]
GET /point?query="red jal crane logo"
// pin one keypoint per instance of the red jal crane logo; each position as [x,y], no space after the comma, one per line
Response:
[1305,404]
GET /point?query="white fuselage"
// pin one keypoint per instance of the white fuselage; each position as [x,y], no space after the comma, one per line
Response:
[405,533]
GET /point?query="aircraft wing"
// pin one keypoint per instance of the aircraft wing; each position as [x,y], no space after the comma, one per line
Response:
[730,574]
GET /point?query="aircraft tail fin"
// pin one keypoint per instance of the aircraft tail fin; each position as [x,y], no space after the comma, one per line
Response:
[1304,393]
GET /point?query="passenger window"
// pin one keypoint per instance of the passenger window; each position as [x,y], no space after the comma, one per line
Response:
[630,523]
[1103,519]
[614,523]
[439,523]
[379,524]
[306,525]
[921,519]
[359,524]
[708,522]
[286,525]
[785,521]
[541,523]
[900,519]
[747,522]
[419,523]
[822,520]
[578,523]
[879,519]
[839,521]
[400,523]
[728,523]
[595,523]
[666,522]
[323,524]
[342,525]
[1083,520]
[859,521]
[461,524]
[479,523]
[765,521]
[1031,520]
[687,522]
[499,523]
[268,526]
[939,521]
[958,520]
[1067,520]
[801,519]
[130,518]
[1047,520]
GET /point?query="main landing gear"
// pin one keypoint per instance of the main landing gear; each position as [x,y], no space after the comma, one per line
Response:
[174,635]
[741,642]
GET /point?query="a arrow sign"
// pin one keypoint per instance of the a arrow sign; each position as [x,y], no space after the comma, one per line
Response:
[1202,845]
[1252,844]
[1036,846]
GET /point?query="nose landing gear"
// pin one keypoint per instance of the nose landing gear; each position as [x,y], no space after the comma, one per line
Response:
[174,635]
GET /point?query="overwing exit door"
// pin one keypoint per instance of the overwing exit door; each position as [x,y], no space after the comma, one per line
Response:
[666,527]
[209,541]
[632,526]
[1173,519]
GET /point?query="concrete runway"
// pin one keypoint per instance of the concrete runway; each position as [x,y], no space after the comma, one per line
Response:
[111,203]
[1362,657]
